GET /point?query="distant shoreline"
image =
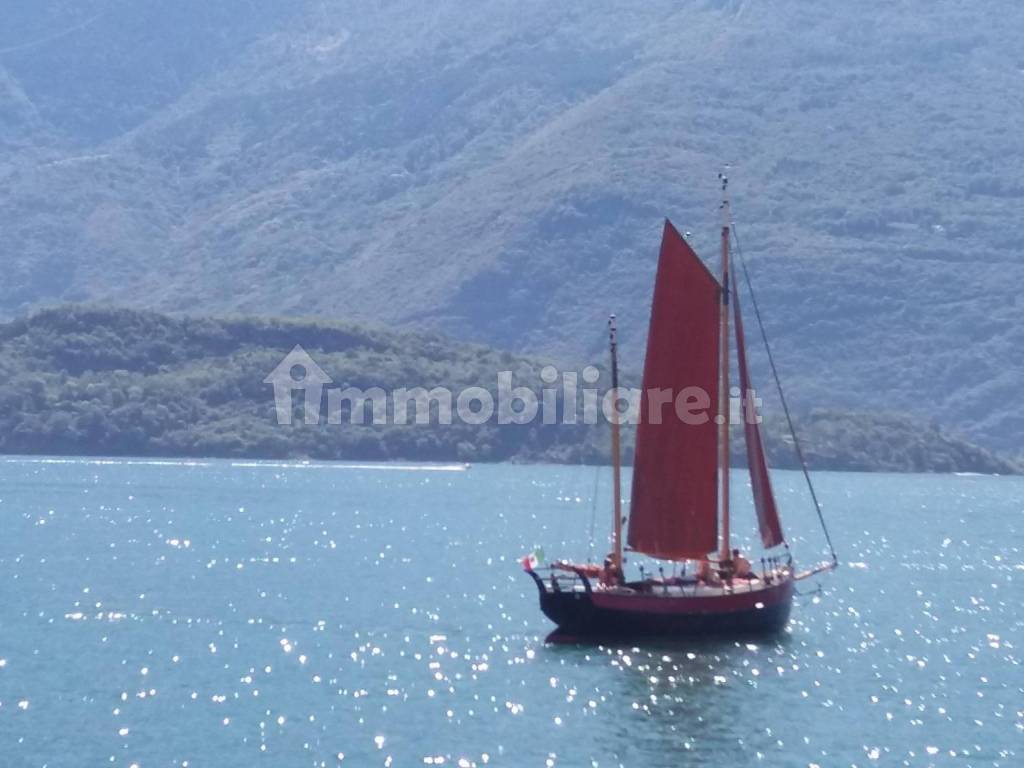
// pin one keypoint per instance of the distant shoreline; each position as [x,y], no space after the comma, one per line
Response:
[359,463]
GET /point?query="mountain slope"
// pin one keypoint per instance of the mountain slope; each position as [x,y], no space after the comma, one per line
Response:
[500,173]
[85,380]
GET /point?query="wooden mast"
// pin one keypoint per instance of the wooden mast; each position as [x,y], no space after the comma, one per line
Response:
[723,387]
[616,457]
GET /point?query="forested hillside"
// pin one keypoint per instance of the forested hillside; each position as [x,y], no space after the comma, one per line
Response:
[82,380]
[499,172]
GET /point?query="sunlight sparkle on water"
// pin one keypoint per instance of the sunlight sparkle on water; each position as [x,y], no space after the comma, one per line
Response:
[369,617]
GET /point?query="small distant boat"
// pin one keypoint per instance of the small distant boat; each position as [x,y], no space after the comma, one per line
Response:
[679,509]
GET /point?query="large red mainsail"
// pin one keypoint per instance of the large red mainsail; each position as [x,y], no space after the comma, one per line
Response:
[760,482]
[674,509]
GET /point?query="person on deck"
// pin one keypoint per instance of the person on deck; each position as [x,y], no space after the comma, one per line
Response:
[611,576]
[741,566]
[705,574]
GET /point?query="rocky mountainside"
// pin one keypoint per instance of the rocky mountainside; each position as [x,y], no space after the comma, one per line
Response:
[500,171]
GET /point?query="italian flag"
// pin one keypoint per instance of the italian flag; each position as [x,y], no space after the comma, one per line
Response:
[533,559]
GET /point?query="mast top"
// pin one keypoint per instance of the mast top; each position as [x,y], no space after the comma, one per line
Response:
[726,216]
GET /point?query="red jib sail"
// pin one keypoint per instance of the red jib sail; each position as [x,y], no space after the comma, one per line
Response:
[674,509]
[760,482]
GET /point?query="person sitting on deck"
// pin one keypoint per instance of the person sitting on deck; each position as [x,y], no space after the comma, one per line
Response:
[741,566]
[611,575]
[705,574]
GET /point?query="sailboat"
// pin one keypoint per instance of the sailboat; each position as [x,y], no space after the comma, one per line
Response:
[680,500]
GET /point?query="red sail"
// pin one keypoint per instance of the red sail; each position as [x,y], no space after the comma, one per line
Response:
[760,482]
[674,509]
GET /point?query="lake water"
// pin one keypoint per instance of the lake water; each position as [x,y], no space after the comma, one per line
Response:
[220,614]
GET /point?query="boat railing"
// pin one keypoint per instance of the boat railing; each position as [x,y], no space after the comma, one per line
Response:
[568,577]
[562,579]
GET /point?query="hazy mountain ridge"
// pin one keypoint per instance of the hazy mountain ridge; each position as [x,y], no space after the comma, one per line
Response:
[500,173]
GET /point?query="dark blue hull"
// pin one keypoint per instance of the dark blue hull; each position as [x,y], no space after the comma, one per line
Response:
[589,614]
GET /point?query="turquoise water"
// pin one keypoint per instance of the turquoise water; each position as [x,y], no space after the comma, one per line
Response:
[236,615]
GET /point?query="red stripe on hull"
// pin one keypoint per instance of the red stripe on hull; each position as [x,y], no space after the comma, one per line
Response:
[738,601]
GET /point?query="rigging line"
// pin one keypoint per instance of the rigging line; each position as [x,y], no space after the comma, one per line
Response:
[598,467]
[579,484]
[593,512]
[782,395]
[813,593]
